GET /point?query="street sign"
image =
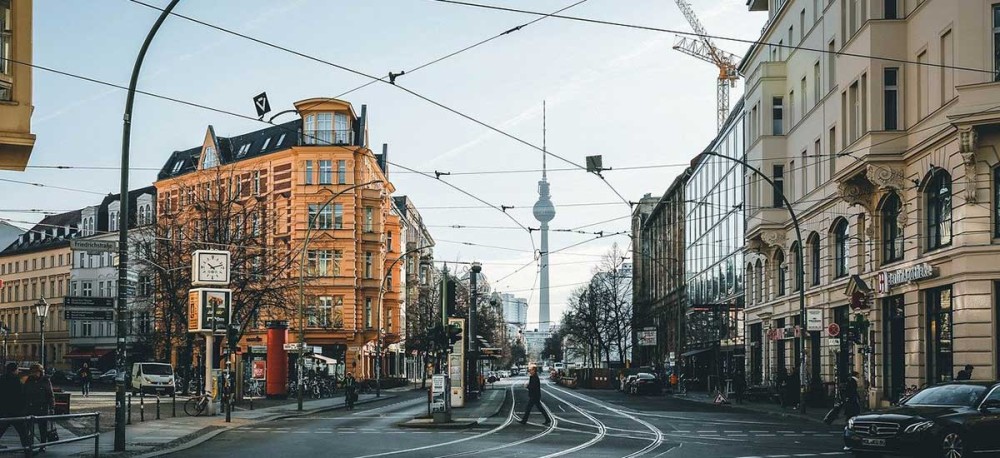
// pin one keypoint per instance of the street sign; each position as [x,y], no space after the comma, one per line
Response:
[814,320]
[261,104]
[647,337]
[833,341]
[296,346]
[94,246]
[439,392]
[833,330]
[132,276]
[79,301]
[89,315]
[258,349]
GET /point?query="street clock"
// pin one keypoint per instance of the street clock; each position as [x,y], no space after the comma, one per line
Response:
[210,267]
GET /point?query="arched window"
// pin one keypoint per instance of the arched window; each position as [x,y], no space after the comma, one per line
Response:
[892,235]
[814,257]
[938,193]
[781,272]
[840,249]
[795,259]
[761,283]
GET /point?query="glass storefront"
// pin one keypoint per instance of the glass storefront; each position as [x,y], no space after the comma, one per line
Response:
[940,358]
[893,347]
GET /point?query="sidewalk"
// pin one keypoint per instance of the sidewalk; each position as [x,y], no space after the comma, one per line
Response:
[814,414]
[173,434]
[473,413]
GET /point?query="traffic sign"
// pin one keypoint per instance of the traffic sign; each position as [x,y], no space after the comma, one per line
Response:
[833,330]
[261,104]
[80,301]
[89,315]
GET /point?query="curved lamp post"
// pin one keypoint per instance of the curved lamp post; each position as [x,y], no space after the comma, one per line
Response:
[378,339]
[799,272]
[123,218]
[302,270]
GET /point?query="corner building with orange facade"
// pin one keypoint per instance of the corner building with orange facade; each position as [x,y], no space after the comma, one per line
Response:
[293,169]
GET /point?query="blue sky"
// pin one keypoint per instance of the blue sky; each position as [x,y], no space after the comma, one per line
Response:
[621,93]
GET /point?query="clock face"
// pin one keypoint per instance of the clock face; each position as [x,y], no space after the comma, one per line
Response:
[213,267]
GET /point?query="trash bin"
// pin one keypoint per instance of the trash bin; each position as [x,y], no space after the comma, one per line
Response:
[61,406]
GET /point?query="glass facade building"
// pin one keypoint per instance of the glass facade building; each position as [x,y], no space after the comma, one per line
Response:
[714,238]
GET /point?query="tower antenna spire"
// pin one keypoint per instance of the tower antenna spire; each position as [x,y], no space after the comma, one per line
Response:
[544,149]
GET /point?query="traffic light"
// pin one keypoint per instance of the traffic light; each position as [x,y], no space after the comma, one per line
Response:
[449,297]
[454,333]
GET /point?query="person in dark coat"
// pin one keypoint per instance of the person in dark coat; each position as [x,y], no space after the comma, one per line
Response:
[965,374]
[12,402]
[350,391]
[85,378]
[794,387]
[534,397]
[739,386]
[39,398]
[852,400]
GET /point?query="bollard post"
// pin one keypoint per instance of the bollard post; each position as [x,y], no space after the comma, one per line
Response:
[97,435]
[142,405]
[157,406]
[31,436]
[173,403]
[128,417]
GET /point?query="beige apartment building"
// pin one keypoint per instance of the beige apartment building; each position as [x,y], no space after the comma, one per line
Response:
[16,139]
[880,121]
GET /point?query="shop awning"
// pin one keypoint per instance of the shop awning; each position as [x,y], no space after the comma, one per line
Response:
[696,352]
[325,359]
[87,354]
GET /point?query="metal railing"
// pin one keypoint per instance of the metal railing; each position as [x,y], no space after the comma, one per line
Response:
[32,420]
[328,137]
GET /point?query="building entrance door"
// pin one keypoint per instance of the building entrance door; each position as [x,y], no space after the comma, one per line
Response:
[893,347]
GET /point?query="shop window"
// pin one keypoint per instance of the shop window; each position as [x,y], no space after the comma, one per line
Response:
[782,272]
[940,357]
[892,235]
[938,193]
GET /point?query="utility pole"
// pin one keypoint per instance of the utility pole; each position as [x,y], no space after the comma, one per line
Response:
[473,340]
[123,221]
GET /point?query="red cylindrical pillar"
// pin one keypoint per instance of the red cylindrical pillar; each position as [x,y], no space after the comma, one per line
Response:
[277,359]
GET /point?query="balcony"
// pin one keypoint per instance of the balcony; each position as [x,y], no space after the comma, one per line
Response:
[335,137]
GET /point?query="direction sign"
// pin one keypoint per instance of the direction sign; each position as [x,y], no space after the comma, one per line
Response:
[80,301]
[93,246]
[90,315]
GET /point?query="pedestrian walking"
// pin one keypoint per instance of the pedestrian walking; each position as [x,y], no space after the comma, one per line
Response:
[852,399]
[39,398]
[12,402]
[739,386]
[965,374]
[85,377]
[794,388]
[350,391]
[534,396]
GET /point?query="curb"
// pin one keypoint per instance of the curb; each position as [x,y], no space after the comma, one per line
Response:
[458,425]
[216,431]
[739,408]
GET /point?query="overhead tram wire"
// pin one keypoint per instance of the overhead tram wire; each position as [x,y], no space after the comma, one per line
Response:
[376,79]
[715,37]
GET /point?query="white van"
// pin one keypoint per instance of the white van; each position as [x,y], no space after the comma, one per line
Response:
[153,378]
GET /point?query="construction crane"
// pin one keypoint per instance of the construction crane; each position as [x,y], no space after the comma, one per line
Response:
[703,48]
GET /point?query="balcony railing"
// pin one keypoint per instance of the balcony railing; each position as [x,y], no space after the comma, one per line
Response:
[328,137]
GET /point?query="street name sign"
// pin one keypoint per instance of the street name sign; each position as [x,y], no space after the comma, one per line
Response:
[94,246]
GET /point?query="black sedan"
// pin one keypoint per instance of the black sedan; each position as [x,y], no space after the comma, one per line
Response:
[644,384]
[951,420]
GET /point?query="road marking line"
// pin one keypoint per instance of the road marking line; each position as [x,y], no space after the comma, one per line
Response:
[649,448]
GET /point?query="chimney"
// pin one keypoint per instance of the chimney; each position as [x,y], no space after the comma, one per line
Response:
[362,125]
[383,160]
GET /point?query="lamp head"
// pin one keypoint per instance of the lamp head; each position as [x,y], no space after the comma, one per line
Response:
[42,307]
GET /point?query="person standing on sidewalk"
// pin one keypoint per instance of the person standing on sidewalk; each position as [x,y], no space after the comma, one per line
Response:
[739,386]
[350,391]
[965,374]
[39,398]
[852,399]
[85,377]
[12,402]
[534,396]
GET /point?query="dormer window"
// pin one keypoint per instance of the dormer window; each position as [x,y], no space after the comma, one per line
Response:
[177,166]
[243,150]
[211,159]
[266,142]
[280,139]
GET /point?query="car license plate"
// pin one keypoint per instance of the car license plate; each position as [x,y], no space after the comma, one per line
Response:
[873,442]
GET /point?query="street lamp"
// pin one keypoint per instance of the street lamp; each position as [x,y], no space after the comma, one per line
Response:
[42,309]
[302,290]
[378,340]
[4,331]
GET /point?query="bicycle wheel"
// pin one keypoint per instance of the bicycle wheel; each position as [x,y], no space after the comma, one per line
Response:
[194,407]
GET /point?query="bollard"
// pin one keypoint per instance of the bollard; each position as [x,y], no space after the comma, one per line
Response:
[31,436]
[128,418]
[157,406]
[142,406]
[173,403]
[97,437]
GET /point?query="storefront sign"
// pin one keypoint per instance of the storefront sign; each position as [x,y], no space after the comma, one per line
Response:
[814,320]
[647,337]
[886,280]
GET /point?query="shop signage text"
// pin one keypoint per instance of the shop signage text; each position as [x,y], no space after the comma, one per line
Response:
[886,280]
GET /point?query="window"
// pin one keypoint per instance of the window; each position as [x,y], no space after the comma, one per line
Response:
[802,25]
[939,335]
[947,67]
[853,112]
[337,312]
[817,86]
[320,218]
[211,160]
[341,172]
[892,234]
[922,85]
[817,161]
[321,263]
[891,98]
[388,241]
[88,289]
[832,151]
[996,205]
[796,259]
[803,87]
[342,132]
[996,42]
[777,115]
[840,249]
[791,109]
[368,264]
[890,9]
[781,272]
[791,37]
[324,309]
[338,216]
[326,172]
[938,194]
[309,172]
[324,128]
[256,182]
[778,177]
[369,219]
[280,139]
[388,281]
[831,63]
[816,259]
[368,313]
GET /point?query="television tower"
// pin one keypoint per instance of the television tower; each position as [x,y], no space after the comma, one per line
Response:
[544,212]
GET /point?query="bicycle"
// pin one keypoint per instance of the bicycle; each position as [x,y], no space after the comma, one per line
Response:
[197,405]
[253,388]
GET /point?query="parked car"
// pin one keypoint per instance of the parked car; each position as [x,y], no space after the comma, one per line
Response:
[60,377]
[954,420]
[626,384]
[150,377]
[107,378]
[644,383]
